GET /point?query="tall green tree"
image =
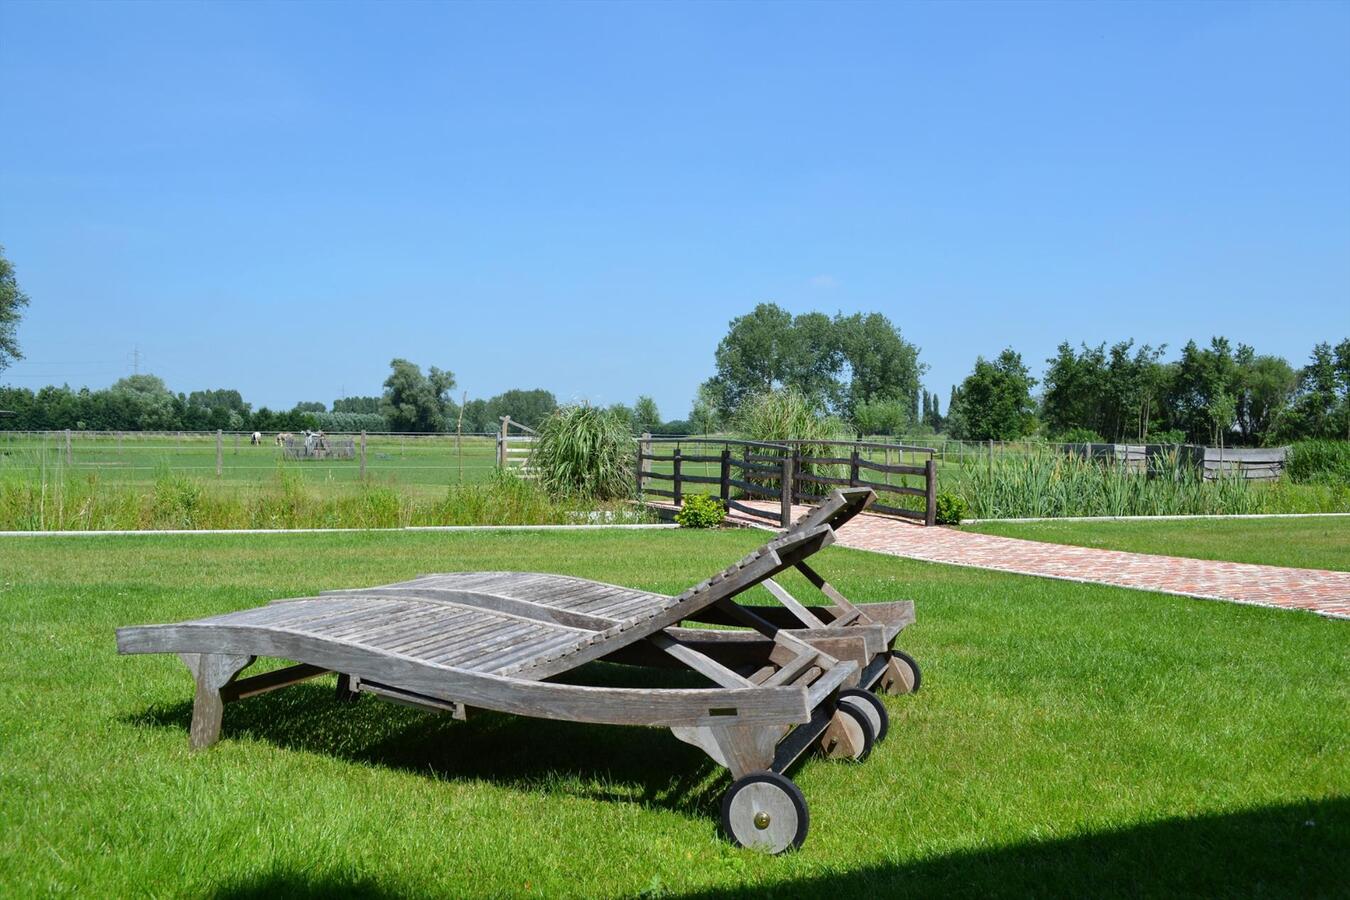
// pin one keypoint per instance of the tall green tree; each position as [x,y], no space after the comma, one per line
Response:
[12,302]
[646,415]
[994,402]
[365,405]
[416,402]
[835,363]
[881,364]
[529,408]
[1313,412]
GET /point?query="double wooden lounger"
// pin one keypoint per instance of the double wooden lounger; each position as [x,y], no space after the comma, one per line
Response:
[790,678]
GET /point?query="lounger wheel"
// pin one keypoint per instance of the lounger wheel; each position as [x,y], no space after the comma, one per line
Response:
[901,675]
[849,735]
[765,811]
[874,709]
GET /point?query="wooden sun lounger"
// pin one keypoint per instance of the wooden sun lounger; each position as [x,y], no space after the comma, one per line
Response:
[791,677]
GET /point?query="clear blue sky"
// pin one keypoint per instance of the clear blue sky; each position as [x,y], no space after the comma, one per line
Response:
[280,198]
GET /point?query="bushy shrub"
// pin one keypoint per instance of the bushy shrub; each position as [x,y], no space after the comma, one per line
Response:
[951,508]
[701,511]
[1170,436]
[350,422]
[584,451]
[1319,462]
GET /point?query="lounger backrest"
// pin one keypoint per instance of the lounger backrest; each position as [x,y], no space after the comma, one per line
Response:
[836,509]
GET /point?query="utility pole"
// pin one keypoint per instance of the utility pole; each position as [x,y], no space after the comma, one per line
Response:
[135,360]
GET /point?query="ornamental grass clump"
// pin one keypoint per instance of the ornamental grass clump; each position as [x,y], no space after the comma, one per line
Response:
[585,452]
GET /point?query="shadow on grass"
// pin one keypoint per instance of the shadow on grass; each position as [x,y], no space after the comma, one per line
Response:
[1296,850]
[633,764]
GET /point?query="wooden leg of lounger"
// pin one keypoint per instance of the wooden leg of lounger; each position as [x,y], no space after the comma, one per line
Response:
[346,689]
[212,672]
[741,748]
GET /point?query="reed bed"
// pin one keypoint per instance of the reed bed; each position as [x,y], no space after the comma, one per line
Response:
[1051,484]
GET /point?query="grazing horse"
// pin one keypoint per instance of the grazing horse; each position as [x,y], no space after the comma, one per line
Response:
[283,437]
[257,438]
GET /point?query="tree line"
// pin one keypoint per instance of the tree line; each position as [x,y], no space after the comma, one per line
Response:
[412,401]
[1216,395]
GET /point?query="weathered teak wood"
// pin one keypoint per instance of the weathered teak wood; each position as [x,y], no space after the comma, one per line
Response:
[211,671]
[445,642]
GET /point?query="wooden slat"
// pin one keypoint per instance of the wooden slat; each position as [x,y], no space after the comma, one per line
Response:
[892,469]
[792,603]
[898,511]
[269,681]
[769,493]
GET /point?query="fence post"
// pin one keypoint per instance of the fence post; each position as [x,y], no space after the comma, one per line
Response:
[363,456]
[726,476]
[785,493]
[930,492]
[501,443]
[796,470]
[991,457]
[644,464]
[220,452]
[70,459]
[853,468]
[679,494]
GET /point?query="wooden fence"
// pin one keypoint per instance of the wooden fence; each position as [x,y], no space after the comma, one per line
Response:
[515,446]
[1259,463]
[787,472]
[318,447]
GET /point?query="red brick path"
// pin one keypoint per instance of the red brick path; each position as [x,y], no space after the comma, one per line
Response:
[1316,590]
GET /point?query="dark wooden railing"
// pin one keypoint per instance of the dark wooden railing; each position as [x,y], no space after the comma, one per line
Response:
[788,472]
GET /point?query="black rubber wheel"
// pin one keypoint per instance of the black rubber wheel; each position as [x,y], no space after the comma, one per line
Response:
[918,673]
[876,710]
[865,723]
[765,811]
[899,658]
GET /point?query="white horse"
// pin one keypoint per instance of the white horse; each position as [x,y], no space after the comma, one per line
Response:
[257,438]
[283,437]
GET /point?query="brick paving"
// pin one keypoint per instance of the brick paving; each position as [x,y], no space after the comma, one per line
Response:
[1315,590]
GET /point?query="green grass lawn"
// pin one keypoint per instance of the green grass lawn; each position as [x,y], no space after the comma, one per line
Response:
[1311,543]
[1069,740]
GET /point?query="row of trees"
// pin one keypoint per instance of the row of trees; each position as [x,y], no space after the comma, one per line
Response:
[412,401]
[1209,395]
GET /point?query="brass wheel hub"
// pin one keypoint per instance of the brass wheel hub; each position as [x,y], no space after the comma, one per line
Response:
[762,820]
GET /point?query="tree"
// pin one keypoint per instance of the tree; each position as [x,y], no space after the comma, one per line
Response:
[1265,386]
[759,353]
[366,405]
[146,401]
[646,416]
[1312,413]
[835,363]
[529,408]
[416,402]
[1342,367]
[12,302]
[882,365]
[704,413]
[994,402]
[310,406]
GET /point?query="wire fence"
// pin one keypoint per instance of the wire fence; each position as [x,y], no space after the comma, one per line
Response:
[143,456]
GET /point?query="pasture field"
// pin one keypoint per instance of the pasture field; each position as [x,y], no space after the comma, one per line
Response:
[1311,543]
[1069,739]
[415,462]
